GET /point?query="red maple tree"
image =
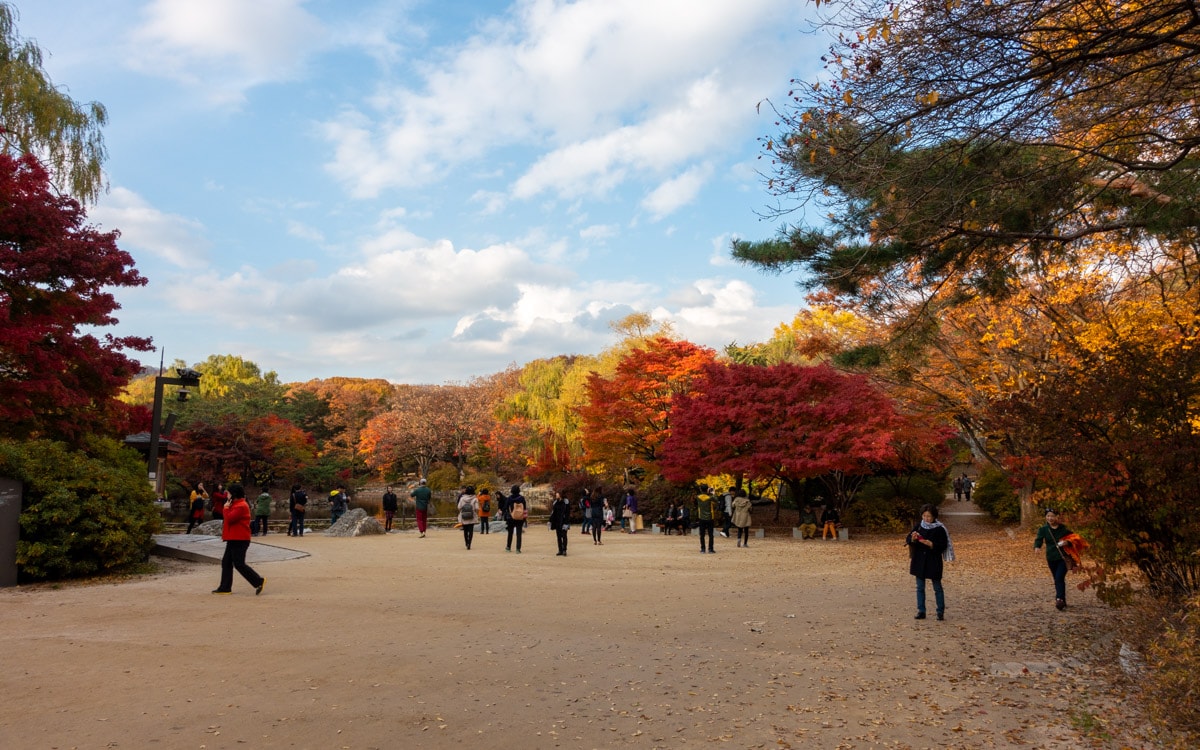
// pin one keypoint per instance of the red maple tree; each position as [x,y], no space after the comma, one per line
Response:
[628,416]
[56,381]
[784,421]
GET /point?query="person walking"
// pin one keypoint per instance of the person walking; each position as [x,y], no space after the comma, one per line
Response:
[297,505]
[391,504]
[705,508]
[1052,535]
[218,501]
[262,510]
[485,510]
[517,510]
[235,530]
[967,485]
[196,507]
[741,517]
[421,497]
[560,519]
[957,485]
[929,546]
[468,513]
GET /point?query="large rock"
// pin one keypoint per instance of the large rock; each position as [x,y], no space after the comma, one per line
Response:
[210,528]
[355,522]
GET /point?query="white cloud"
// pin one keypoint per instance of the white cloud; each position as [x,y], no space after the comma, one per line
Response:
[615,87]
[599,232]
[225,47]
[677,191]
[176,239]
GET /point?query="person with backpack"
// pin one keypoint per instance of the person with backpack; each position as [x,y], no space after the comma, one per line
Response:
[560,519]
[297,505]
[390,505]
[468,513]
[485,510]
[516,511]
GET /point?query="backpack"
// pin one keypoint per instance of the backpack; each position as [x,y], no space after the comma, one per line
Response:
[486,507]
[468,513]
[518,512]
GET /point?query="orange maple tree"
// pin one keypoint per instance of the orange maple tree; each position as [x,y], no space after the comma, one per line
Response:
[626,416]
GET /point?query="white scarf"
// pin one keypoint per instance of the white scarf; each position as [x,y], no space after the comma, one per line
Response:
[948,554]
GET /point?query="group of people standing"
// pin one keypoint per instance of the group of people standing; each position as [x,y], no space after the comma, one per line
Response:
[473,508]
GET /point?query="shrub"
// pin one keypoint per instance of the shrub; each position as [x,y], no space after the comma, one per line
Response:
[994,495]
[444,477]
[1174,661]
[84,512]
[890,506]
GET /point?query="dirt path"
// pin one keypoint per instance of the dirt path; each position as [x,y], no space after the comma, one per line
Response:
[396,641]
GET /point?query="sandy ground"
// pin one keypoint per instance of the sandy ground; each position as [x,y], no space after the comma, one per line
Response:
[396,642]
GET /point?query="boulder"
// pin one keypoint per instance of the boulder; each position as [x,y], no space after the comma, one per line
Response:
[355,522]
[210,528]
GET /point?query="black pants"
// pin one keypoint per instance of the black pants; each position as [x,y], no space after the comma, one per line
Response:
[192,523]
[519,527]
[597,529]
[484,523]
[562,540]
[706,527]
[262,523]
[235,557]
[296,526]
[468,533]
[744,533]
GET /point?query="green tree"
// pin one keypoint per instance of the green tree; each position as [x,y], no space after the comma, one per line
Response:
[37,118]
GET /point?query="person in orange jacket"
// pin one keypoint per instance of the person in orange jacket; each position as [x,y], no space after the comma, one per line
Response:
[236,533]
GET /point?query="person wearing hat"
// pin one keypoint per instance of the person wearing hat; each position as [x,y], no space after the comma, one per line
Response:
[1051,535]
[421,497]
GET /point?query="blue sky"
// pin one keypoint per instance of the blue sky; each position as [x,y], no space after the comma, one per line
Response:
[429,191]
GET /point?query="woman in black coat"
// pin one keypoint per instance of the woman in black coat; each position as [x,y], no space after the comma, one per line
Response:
[929,544]
[560,518]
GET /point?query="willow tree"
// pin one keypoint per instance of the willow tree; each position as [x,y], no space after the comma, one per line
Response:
[39,119]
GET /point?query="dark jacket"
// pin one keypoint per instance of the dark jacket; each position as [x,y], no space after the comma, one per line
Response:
[1051,537]
[926,562]
[560,514]
[390,501]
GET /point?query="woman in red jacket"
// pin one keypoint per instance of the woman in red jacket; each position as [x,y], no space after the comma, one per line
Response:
[236,533]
